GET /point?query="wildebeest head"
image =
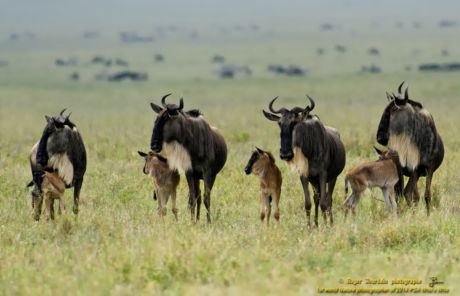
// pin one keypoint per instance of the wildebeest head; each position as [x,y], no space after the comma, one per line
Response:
[287,122]
[397,107]
[166,124]
[55,123]
[151,159]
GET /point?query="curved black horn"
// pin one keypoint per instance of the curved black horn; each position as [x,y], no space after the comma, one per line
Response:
[163,99]
[62,112]
[68,116]
[400,86]
[270,106]
[312,104]
[406,94]
[181,103]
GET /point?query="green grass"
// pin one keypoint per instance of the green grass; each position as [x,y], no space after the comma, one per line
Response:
[117,245]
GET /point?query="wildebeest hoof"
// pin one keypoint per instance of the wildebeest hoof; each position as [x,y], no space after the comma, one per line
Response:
[75,210]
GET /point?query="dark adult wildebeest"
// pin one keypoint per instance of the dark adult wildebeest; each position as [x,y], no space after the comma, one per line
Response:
[314,150]
[191,145]
[59,149]
[409,129]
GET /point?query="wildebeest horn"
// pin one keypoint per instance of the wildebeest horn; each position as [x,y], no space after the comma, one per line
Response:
[68,116]
[400,86]
[312,104]
[181,103]
[406,94]
[163,99]
[62,112]
[389,96]
[270,106]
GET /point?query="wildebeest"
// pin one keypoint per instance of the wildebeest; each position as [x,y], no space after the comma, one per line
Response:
[191,145]
[409,129]
[128,75]
[314,150]
[371,69]
[59,149]
[262,164]
[159,57]
[383,173]
[165,180]
[373,51]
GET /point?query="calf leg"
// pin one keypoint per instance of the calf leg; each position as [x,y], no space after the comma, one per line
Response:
[173,201]
[262,206]
[348,203]
[37,209]
[268,207]
[47,206]
[304,181]
[276,202]
[394,204]
[208,184]
[76,194]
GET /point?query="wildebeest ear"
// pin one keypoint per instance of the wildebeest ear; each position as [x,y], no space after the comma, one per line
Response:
[156,108]
[143,154]
[259,150]
[30,184]
[270,116]
[48,119]
[379,152]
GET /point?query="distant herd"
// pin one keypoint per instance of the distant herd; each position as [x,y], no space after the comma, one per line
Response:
[184,142]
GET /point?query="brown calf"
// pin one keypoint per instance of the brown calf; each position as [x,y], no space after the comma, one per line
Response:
[53,187]
[262,164]
[382,173]
[165,180]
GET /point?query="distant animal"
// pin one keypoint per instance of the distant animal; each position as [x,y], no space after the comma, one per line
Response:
[314,150]
[159,57]
[75,76]
[341,48]
[320,51]
[373,69]
[373,51]
[165,180]
[121,62]
[218,59]
[59,149]
[128,75]
[262,164]
[383,173]
[191,145]
[409,129]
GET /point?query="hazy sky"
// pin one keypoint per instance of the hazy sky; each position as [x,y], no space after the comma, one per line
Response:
[78,15]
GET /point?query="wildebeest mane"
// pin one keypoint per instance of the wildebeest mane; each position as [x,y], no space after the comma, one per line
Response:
[310,136]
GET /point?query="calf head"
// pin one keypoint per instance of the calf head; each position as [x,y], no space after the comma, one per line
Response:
[152,161]
[259,158]
[287,121]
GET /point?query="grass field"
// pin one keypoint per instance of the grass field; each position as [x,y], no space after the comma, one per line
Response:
[118,246]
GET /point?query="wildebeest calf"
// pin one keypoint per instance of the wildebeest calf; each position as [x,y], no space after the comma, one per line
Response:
[262,164]
[165,180]
[383,173]
[53,187]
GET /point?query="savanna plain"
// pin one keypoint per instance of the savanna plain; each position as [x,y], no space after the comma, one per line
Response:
[119,246]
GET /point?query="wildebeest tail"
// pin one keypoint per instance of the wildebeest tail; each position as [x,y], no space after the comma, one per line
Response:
[346,186]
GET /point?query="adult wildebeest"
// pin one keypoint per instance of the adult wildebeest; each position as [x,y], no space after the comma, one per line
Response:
[60,149]
[409,129]
[191,145]
[315,150]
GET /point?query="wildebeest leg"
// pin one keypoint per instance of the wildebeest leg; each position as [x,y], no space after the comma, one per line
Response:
[429,177]
[191,193]
[323,203]
[316,200]
[306,192]
[76,194]
[330,190]
[173,201]
[409,190]
[197,197]
[208,184]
